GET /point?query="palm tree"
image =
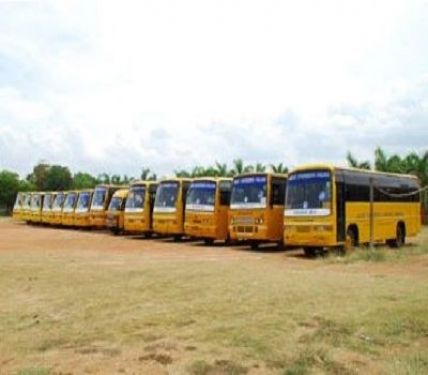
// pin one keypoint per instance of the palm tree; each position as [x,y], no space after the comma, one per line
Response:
[354,163]
[198,171]
[221,169]
[211,171]
[145,172]
[238,167]
[146,175]
[260,167]
[104,178]
[279,168]
[182,173]
[116,179]
[381,160]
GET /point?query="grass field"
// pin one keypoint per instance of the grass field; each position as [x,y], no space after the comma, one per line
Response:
[77,302]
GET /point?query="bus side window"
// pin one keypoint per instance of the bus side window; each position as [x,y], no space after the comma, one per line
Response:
[278,191]
[225,192]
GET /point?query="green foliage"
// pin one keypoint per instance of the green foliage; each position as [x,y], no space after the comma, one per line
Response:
[9,186]
[57,178]
[82,180]
[354,163]
[279,168]
[47,177]
[147,175]
[38,176]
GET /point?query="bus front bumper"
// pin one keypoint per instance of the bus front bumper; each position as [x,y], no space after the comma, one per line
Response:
[67,220]
[167,225]
[98,219]
[82,220]
[201,231]
[136,224]
[250,233]
[320,235]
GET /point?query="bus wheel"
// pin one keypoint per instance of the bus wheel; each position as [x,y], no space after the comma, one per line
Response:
[177,237]
[228,241]
[148,235]
[208,241]
[400,236]
[312,252]
[254,245]
[351,238]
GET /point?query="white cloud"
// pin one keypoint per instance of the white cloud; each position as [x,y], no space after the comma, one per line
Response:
[108,86]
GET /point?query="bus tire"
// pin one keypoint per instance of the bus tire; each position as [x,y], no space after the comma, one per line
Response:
[208,241]
[177,237]
[228,241]
[352,237]
[148,235]
[312,252]
[400,236]
[254,245]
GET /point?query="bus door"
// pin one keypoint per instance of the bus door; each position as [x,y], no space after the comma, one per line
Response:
[340,207]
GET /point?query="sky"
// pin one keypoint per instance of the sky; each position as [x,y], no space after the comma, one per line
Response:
[115,86]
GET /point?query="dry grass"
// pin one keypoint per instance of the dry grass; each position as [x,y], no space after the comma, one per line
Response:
[124,313]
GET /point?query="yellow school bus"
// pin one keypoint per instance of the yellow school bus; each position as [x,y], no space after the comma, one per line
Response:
[207,208]
[257,208]
[18,207]
[36,206]
[26,208]
[116,211]
[168,212]
[139,208]
[81,213]
[56,212]
[329,207]
[100,201]
[47,207]
[67,217]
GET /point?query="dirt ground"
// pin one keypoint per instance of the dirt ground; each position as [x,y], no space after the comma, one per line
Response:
[179,314]
[48,240]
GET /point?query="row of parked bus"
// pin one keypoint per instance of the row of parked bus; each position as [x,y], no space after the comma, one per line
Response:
[314,207]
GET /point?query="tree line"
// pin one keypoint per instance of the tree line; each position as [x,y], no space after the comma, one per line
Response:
[46,177]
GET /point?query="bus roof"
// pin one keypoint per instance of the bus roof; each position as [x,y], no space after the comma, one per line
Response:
[110,186]
[143,182]
[334,168]
[247,174]
[213,179]
[121,193]
[176,179]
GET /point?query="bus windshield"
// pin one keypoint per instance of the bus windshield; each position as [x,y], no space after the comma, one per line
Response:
[249,192]
[47,202]
[35,202]
[135,200]
[166,197]
[115,204]
[201,196]
[18,201]
[70,201]
[99,198]
[59,200]
[83,201]
[27,201]
[308,193]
